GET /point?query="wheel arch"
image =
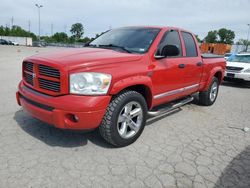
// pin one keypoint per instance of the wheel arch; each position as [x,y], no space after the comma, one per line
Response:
[214,73]
[140,84]
[218,75]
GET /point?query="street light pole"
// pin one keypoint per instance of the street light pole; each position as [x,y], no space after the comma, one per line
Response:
[248,36]
[39,6]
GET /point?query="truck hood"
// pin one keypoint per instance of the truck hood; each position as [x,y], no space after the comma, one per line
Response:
[84,57]
[238,64]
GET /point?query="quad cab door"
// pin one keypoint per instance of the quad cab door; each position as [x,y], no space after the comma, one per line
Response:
[168,77]
[193,64]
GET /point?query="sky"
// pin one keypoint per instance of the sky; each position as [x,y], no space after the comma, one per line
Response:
[198,16]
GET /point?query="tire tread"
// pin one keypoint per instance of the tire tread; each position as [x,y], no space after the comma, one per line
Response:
[105,127]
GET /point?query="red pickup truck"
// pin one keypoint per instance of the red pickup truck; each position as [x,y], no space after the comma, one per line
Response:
[118,80]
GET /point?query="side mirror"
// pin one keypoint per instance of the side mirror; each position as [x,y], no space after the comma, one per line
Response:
[168,51]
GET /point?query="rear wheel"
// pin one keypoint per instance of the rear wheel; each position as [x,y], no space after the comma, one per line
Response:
[125,119]
[208,97]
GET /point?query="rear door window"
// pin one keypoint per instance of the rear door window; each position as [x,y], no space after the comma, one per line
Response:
[190,44]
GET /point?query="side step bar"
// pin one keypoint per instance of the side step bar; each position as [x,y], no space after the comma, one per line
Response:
[170,108]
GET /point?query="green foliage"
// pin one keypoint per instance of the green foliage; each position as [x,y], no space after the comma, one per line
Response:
[60,37]
[84,40]
[77,30]
[16,31]
[211,37]
[226,36]
[223,35]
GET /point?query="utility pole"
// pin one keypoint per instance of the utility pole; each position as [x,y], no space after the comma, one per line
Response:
[248,36]
[39,6]
[52,27]
[29,25]
[12,21]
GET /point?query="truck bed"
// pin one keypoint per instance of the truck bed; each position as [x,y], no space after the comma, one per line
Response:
[206,56]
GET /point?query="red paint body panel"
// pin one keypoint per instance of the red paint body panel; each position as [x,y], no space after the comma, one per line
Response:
[88,109]
[161,77]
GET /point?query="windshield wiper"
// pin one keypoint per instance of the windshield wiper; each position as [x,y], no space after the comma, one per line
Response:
[115,46]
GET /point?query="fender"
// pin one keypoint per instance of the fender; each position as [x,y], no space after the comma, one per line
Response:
[212,73]
[131,81]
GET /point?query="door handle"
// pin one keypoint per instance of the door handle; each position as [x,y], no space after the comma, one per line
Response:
[181,66]
[199,64]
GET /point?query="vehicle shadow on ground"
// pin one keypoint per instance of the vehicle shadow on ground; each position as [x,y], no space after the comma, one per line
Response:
[237,173]
[237,84]
[65,138]
[57,137]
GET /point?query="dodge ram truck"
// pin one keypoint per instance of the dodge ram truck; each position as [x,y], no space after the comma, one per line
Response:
[118,80]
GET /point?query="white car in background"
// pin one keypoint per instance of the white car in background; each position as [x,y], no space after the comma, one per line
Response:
[238,67]
[15,43]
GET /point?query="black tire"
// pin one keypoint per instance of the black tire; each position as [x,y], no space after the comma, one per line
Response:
[109,126]
[204,96]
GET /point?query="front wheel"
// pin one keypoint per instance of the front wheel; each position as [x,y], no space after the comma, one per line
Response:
[208,97]
[125,119]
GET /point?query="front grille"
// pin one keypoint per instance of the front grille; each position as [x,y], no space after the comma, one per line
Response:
[48,71]
[43,78]
[28,78]
[28,66]
[49,85]
[234,69]
[28,72]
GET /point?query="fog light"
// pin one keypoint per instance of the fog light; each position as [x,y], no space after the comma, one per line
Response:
[71,118]
[75,118]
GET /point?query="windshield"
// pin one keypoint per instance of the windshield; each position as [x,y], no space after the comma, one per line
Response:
[239,58]
[137,40]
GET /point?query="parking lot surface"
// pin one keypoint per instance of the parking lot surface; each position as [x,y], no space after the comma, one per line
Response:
[194,147]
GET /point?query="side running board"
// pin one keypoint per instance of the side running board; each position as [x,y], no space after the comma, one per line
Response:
[171,107]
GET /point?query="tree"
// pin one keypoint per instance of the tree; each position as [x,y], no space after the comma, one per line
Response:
[2,30]
[60,37]
[198,39]
[77,30]
[16,31]
[211,37]
[244,42]
[84,40]
[226,36]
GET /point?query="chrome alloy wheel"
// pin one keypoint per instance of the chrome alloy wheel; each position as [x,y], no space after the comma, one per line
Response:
[130,120]
[214,91]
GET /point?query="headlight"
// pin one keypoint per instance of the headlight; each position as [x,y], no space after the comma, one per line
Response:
[247,70]
[89,83]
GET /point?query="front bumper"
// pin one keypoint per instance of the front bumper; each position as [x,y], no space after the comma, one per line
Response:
[241,75]
[65,112]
